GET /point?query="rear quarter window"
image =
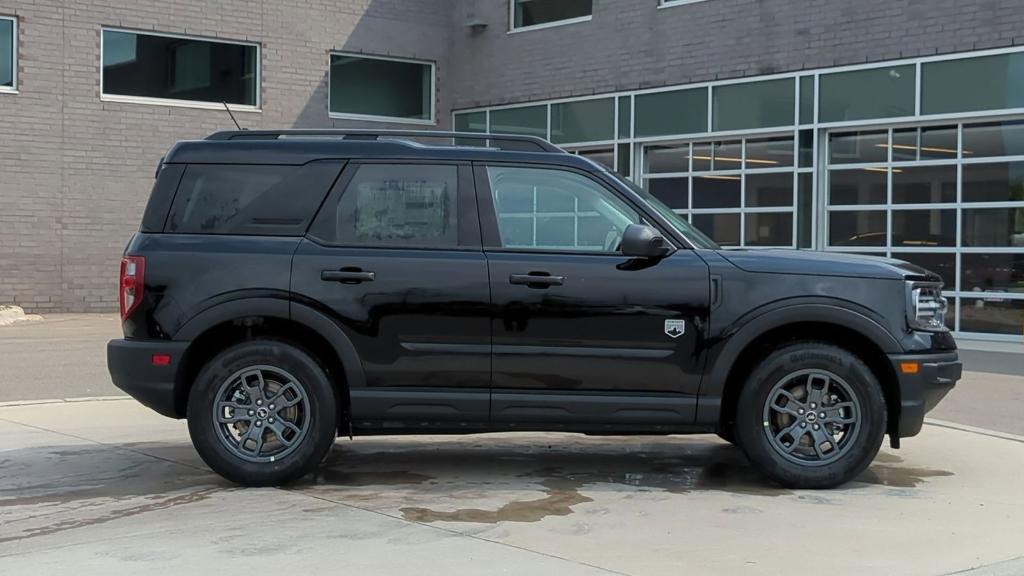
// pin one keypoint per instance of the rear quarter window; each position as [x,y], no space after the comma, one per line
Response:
[258,200]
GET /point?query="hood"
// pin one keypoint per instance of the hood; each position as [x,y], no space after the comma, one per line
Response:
[816,263]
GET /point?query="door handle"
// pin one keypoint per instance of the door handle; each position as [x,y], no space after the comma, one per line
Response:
[347,276]
[536,280]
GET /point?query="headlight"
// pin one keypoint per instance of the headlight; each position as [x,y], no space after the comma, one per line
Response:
[926,308]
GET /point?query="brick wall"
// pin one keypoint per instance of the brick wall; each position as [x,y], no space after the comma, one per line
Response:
[75,172]
[632,44]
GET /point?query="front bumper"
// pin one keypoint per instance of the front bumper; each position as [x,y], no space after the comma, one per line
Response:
[131,367]
[922,391]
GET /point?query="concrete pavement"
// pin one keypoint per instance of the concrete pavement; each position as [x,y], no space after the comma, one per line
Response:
[109,487]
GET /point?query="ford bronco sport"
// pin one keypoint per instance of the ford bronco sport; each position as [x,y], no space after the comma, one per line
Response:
[288,287]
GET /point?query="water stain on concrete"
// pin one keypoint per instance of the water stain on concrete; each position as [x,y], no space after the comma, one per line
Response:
[560,496]
[354,478]
[900,476]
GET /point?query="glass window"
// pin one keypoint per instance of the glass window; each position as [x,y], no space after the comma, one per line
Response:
[716,191]
[806,148]
[625,118]
[970,84]
[8,53]
[924,185]
[398,205]
[531,121]
[867,94]
[995,227]
[849,187]
[861,228]
[250,200]
[769,229]
[770,153]
[666,159]
[724,229]
[676,112]
[603,156]
[929,143]
[807,99]
[728,155]
[674,192]
[175,68]
[754,105]
[538,12]
[769,190]
[625,159]
[702,157]
[471,122]
[399,90]
[557,210]
[1001,182]
[991,272]
[993,315]
[999,139]
[583,121]
[924,228]
[805,210]
[858,147]
[942,264]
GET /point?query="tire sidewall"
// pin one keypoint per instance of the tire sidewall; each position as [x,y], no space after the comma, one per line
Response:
[802,356]
[323,413]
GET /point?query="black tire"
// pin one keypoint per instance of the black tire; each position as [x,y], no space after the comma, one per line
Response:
[791,369]
[316,413]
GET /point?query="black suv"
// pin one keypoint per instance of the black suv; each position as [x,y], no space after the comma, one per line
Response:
[287,287]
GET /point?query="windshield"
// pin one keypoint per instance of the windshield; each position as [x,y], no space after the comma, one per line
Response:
[695,236]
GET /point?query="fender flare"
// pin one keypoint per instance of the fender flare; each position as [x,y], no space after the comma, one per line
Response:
[282,309]
[712,389]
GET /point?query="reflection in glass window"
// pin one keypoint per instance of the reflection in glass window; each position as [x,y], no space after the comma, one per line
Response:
[728,155]
[667,159]
[924,228]
[998,182]
[867,94]
[774,189]
[943,264]
[992,314]
[674,192]
[924,184]
[529,120]
[557,210]
[998,139]
[769,153]
[722,228]
[860,228]
[670,113]
[928,143]
[956,85]
[175,68]
[858,147]
[381,88]
[994,227]
[752,105]
[716,191]
[400,205]
[867,186]
[993,272]
[538,12]
[583,121]
[769,229]
[603,156]
[8,52]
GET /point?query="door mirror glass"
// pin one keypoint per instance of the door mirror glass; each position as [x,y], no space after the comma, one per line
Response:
[641,241]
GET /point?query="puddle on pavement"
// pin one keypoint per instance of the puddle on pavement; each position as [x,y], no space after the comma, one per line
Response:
[560,496]
[899,476]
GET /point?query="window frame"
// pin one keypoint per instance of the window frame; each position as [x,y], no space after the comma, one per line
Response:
[432,121]
[513,29]
[154,101]
[13,88]
[467,219]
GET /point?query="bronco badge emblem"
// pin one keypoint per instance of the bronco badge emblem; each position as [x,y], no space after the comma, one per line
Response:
[675,328]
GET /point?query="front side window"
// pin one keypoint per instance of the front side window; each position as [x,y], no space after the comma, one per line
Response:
[381,89]
[173,68]
[530,13]
[8,53]
[411,205]
[557,210]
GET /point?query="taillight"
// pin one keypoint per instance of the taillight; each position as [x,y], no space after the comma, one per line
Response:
[133,272]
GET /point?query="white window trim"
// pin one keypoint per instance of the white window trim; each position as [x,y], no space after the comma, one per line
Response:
[127,99]
[13,88]
[674,3]
[390,119]
[513,29]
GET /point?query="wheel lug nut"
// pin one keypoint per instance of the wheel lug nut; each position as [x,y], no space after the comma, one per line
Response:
[259,402]
[271,420]
[800,411]
[252,413]
[822,415]
[816,427]
[813,405]
[271,406]
[803,424]
[259,423]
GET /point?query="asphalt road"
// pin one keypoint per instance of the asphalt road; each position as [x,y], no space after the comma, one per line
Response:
[64,356]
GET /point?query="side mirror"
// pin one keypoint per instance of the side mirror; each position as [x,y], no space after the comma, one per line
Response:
[640,241]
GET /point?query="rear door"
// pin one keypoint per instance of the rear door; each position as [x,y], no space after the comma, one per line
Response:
[583,335]
[394,256]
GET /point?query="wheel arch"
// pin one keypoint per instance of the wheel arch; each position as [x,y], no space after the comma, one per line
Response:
[833,324]
[218,327]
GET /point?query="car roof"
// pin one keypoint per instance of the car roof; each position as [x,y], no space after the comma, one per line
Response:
[297,147]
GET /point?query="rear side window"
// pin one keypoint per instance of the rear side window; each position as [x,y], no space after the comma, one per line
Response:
[249,199]
[410,205]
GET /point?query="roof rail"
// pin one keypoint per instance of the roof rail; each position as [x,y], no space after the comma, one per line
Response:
[540,143]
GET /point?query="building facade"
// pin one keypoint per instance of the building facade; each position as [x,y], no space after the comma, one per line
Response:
[885,128]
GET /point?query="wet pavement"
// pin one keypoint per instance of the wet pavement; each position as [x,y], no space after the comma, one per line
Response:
[108,487]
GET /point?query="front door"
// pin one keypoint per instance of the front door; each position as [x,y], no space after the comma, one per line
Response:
[582,334]
[394,256]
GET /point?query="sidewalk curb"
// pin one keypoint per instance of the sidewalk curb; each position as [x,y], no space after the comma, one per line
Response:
[14,403]
[1011,567]
[974,430]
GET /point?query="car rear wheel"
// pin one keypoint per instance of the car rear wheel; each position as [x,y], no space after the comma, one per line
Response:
[811,415]
[262,413]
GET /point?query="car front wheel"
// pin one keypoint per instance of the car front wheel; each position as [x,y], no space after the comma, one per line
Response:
[812,415]
[262,413]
